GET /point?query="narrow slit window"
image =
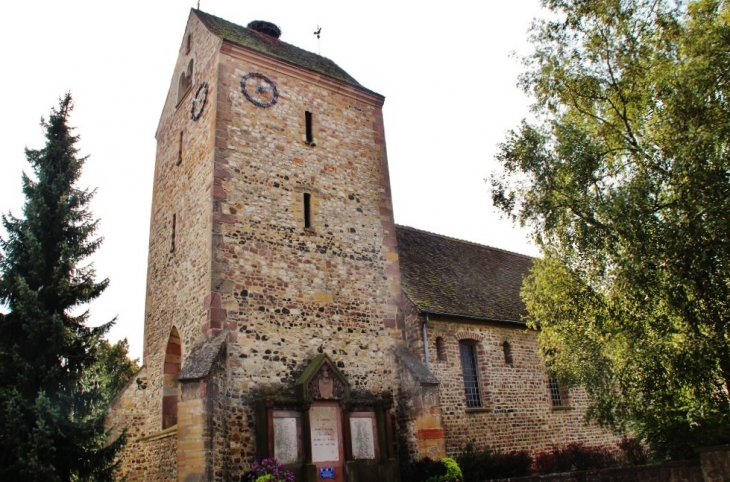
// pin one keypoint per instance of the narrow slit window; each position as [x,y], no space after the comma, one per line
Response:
[307,211]
[440,350]
[308,132]
[507,349]
[180,150]
[172,234]
[189,44]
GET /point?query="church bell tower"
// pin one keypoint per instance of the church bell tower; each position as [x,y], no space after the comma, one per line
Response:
[273,280]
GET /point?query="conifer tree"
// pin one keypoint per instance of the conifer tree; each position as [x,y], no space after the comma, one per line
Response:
[51,411]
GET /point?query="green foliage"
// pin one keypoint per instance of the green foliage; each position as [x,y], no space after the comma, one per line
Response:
[422,469]
[52,407]
[624,179]
[268,470]
[574,456]
[453,472]
[634,452]
[479,465]
[114,369]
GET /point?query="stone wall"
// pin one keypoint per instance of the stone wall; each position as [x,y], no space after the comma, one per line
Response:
[221,440]
[160,458]
[516,411]
[715,463]
[178,276]
[129,411]
[419,415]
[178,279]
[145,457]
[286,291]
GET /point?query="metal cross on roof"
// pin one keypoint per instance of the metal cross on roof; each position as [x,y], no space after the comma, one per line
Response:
[317,32]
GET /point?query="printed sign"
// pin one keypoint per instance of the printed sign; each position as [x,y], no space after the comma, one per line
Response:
[327,473]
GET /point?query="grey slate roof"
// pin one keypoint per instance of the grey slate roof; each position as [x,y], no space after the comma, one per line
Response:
[443,275]
[265,44]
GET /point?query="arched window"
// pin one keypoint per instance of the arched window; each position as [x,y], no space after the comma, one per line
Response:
[507,349]
[440,350]
[186,81]
[188,43]
[470,372]
[170,385]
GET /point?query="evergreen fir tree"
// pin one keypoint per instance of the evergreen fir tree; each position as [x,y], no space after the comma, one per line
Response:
[51,411]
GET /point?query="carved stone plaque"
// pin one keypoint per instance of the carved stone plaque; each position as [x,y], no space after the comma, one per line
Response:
[325,386]
[325,436]
[363,442]
[285,440]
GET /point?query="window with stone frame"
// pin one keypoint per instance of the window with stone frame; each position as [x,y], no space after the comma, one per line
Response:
[173,233]
[308,132]
[188,43]
[555,399]
[558,394]
[507,350]
[441,350]
[180,148]
[307,210]
[170,385]
[470,373]
[185,82]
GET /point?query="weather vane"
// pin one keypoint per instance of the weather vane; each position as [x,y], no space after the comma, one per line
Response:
[317,32]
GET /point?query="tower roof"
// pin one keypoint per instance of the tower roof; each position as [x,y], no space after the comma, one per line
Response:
[266,44]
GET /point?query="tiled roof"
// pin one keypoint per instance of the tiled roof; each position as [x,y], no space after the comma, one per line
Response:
[443,275]
[265,44]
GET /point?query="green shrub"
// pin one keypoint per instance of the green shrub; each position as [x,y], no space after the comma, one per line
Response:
[453,472]
[422,469]
[575,456]
[635,453]
[479,465]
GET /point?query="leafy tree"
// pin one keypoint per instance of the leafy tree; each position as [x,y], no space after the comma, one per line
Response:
[624,179]
[113,369]
[51,412]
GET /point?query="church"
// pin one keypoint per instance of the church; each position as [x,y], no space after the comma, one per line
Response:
[288,316]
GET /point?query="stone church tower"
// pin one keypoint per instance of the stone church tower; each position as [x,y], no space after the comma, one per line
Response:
[273,282]
[288,317]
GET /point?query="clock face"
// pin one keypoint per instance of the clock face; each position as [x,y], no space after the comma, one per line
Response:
[201,95]
[259,89]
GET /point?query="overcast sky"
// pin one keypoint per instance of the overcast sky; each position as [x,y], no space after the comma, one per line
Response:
[444,68]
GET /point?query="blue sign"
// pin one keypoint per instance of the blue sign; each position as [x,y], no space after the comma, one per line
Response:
[327,473]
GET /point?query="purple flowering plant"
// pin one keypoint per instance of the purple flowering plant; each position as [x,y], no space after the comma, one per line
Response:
[269,470]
